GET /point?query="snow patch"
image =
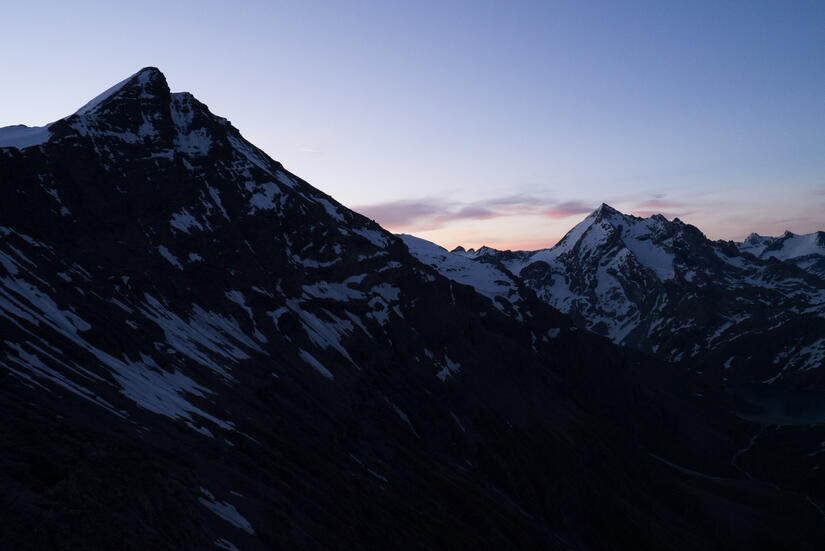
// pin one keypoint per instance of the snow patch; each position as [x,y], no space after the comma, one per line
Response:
[226,511]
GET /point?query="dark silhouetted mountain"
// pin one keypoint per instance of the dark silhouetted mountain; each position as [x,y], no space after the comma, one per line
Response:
[201,350]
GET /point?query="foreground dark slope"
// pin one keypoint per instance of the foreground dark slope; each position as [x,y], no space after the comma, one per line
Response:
[198,349]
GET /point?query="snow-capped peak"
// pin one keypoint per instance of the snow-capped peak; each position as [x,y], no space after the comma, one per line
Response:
[604,210]
[786,247]
[21,136]
[142,77]
[791,246]
[756,238]
[604,228]
[484,250]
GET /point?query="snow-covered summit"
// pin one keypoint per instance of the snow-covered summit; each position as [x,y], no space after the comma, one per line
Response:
[786,247]
[755,243]
[806,250]
[662,286]
[141,78]
[21,136]
[648,241]
[482,251]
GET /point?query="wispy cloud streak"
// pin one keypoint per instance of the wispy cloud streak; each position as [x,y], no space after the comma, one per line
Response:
[429,214]
[716,216]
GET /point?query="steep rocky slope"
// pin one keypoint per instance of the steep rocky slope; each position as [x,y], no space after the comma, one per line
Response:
[200,349]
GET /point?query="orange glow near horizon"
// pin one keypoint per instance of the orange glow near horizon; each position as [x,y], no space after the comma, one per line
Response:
[723,220]
[510,232]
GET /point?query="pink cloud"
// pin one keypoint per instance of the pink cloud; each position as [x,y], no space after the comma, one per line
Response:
[430,214]
[404,212]
[661,204]
[568,208]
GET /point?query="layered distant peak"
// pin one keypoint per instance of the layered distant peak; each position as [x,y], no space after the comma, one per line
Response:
[755,243]
[755,238]
[788,246]
[791,246]
[482,251]
[607,215]
[21,136]
[491,281]
[607,229]
[606,232]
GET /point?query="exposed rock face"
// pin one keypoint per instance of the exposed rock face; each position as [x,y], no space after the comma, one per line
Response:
[200,349]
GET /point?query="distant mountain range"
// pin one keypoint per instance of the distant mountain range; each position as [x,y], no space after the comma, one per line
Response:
[199,350]
[806,251]
[751,311]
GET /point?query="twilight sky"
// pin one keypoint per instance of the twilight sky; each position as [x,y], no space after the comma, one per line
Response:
[498,123]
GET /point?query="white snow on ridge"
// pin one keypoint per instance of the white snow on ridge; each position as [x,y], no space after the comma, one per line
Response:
[341,292]
[326,334]
[649,254]
[794,246]
[196,142]
[226,511]
[216,198]
[448,368]
[159,391]
[204,338]
[569,240]
[786,247]
[755,243]
[372,236]
[264,196]
[310,359]
[252,154]
[223,543]
[331,209]
[184,221]
[473,253]
[100,98]
[143,382]
[592,233]
[172,259]
[21,137]
[485,278]
[404,417]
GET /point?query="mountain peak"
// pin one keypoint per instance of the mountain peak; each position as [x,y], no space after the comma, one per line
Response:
[604,210]
[125,104]
[608,214]
[146,83]
[141,110]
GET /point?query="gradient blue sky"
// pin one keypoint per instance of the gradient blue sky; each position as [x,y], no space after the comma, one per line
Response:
[498,123]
